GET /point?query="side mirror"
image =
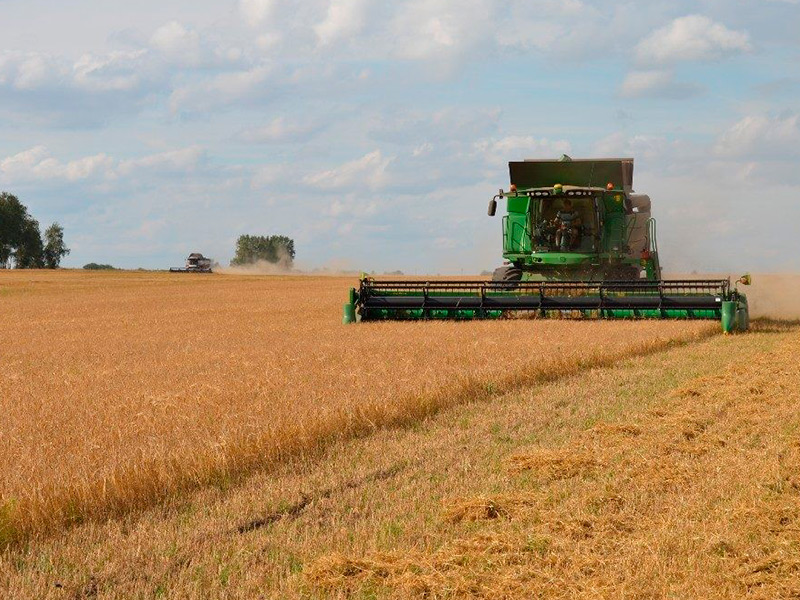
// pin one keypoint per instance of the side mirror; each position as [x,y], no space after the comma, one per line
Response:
[492,207]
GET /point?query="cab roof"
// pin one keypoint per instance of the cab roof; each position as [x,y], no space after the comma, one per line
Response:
[580,172]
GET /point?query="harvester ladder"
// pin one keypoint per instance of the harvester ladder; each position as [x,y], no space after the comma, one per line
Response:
[651,236]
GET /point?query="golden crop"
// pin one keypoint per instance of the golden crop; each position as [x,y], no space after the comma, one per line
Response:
[693,496]
[120,389]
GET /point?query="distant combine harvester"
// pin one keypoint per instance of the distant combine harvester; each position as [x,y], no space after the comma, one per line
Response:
[195,263]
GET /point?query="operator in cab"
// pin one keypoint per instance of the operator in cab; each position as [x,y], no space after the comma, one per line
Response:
[567,223]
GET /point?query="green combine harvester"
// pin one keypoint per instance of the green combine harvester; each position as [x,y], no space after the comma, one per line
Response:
[577,242]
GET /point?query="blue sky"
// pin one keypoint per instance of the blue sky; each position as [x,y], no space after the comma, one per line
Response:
[375,133]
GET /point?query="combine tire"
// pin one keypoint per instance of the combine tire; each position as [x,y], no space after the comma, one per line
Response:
[511,275]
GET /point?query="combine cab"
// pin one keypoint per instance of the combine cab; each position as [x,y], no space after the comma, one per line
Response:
[195,263]
[577,242]
[570,220]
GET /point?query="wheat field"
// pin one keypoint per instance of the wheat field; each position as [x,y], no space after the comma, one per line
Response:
[692,493]
[668,474]
[119,390]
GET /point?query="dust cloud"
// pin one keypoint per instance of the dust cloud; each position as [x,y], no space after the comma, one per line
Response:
[259,267]
[774,295]
[771,295]
[286,266]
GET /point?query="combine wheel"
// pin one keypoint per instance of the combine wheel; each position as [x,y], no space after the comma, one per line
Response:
[507,274]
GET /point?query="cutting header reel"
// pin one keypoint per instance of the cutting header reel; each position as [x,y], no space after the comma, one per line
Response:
[715,299]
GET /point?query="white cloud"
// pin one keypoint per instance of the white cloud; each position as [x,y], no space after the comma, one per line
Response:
[520,147]
[26,71]
[439,29]
[350,205]
[28,164]
[117,71]
[637,146]
[268,175]
[256,11]
[84,168]
[344,18]
[562,29]
[552,8]
[149,229]
[33,72]
[280,130]
[178,42]
[450,123]
[36,164]
[270,40]
[368,171]
[183,46]
[173,161]
[422,150]
[761,136]
[693,37]
[656,83]
[111,72]
[220,90]
[41,89]
[335,208]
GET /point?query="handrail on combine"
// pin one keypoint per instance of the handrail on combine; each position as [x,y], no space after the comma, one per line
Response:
[651,235]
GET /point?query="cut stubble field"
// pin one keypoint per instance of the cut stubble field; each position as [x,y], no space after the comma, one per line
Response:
[120,390]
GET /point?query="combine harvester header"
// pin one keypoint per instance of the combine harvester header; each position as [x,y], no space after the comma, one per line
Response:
[572,248]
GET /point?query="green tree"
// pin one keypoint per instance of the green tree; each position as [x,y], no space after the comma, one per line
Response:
[29,253]
[20,239]
[276,249]
[54,247]
[12,216]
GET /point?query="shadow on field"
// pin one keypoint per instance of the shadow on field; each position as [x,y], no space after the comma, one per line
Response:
[768,325]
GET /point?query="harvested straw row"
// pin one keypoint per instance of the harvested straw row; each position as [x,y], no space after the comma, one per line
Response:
[702,501]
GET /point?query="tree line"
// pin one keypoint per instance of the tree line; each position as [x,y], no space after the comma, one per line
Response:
[276,249]
[22,244]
